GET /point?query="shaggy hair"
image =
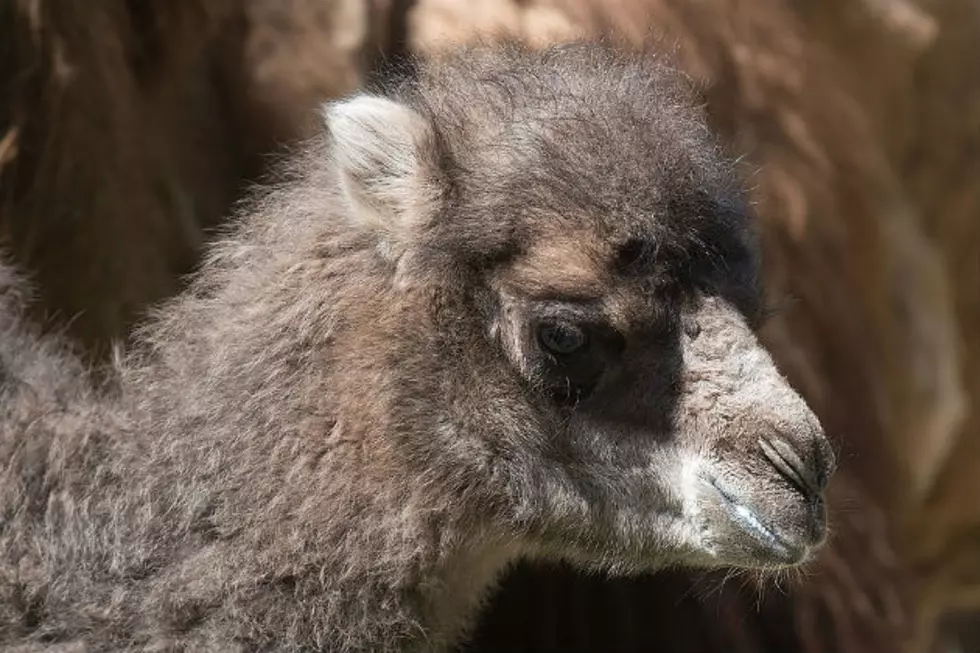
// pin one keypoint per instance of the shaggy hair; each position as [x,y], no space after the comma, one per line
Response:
[500,310]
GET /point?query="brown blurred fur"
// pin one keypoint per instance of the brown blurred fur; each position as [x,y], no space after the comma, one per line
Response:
[923,97]
[127,129]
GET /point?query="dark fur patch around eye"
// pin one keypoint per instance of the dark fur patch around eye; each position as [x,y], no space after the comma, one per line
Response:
[572,378]
[562,338]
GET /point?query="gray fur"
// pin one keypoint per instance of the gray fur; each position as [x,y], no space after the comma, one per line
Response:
[347,427]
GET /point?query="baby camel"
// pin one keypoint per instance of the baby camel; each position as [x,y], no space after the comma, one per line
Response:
[500,309]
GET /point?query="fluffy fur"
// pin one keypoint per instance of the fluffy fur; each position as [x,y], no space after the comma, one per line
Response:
[351,422]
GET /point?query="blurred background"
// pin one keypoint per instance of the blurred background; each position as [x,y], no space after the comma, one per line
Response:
[129,129]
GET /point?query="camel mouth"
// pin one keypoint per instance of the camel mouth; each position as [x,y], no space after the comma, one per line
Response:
[769,544]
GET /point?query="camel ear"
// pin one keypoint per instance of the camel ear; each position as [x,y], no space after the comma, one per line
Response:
[387,161]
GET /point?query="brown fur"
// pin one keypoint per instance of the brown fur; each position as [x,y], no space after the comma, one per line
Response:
[924,99]
[100,197]
[353,420]
[127,129]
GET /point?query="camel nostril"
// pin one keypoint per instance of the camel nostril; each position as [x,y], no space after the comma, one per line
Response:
[809,479]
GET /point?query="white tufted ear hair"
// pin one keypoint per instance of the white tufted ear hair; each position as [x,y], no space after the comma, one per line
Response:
[387,162]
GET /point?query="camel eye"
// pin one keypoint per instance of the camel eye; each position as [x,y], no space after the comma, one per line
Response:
[562,338]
